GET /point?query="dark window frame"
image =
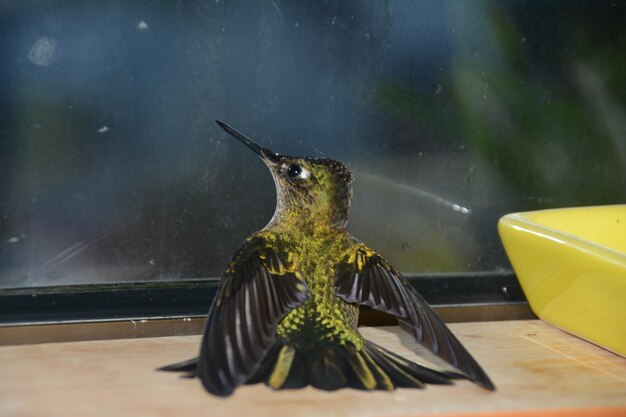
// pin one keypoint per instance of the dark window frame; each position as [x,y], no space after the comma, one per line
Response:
[192,298]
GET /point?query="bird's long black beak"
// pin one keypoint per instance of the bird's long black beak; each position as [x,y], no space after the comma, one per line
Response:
[264,153]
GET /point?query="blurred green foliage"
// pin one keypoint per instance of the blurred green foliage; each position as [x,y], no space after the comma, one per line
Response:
[552,141]
[556,136]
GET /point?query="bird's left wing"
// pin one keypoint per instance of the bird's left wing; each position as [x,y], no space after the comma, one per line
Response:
[259,287]
[364,277]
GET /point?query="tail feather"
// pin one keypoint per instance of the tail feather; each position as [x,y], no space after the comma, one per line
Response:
[189,367]
[405,373]
[369,375]
[370,368]
[398,372]
[327,371]
[281,370]
[295,376]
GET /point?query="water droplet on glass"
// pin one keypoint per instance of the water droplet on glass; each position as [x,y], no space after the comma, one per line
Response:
[103,129]
[43,52]
[141,25]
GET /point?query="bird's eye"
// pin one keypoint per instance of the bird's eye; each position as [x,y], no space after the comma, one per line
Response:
[297,172]
[294,171]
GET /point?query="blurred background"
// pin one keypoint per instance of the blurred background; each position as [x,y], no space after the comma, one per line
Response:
[449,113]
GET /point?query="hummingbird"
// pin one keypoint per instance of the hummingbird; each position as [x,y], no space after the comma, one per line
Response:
[287,307]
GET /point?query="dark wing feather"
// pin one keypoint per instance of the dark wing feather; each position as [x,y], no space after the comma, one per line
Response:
[367,278]
[257,290]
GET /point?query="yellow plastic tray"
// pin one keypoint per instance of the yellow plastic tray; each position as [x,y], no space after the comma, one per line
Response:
[571,264]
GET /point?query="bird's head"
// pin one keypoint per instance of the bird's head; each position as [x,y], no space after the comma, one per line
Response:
[314,191]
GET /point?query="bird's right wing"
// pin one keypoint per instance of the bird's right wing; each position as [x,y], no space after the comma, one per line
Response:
[259,287]
[367,278]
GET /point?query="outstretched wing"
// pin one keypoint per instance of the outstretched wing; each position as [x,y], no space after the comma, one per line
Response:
[365,277]
[258,288]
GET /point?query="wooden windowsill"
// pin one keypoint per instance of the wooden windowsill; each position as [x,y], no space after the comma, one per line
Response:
[536,367]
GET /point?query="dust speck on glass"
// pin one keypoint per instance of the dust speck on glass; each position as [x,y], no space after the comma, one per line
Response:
[449,113]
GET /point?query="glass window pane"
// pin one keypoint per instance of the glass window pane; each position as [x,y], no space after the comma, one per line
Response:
[449,113]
